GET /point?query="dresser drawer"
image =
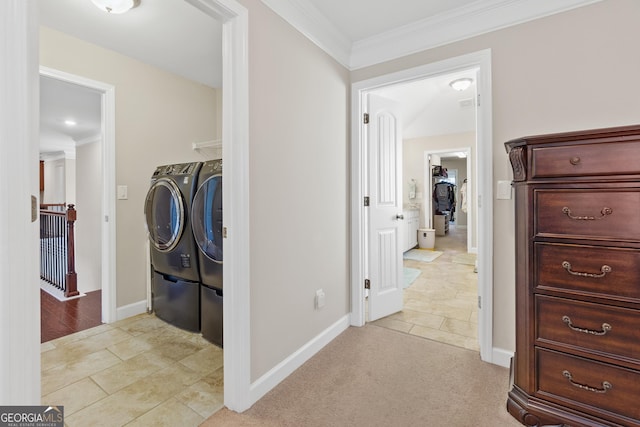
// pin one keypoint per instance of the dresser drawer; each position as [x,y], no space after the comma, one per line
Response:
[587,385]
[588,214]
[619,158]
[610,331]
[603,271]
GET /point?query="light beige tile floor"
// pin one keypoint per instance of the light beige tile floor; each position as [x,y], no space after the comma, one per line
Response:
[139,371]
[441,304]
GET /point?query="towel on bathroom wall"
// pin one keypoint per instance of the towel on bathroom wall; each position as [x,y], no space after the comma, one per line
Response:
[463,197]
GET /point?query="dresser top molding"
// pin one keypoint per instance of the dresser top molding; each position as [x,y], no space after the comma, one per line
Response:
[519,155]
[617,133]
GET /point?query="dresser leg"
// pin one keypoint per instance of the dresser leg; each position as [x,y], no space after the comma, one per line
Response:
[523,416]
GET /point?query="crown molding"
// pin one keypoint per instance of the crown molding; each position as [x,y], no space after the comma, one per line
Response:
[479,17]
[307,19]
[89,140]
[217,143]
[53,155]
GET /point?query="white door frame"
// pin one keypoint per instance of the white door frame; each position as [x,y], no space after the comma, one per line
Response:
[481,60]
[235,153]
[428,206]
[108,141]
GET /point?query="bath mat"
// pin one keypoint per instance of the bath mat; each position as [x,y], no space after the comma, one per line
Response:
[423,255]
[468,259]
[410,274]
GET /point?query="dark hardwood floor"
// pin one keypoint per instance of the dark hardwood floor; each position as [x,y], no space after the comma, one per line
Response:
[61,318]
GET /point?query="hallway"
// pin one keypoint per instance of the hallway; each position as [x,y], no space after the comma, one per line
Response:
[62,318]
[441,304]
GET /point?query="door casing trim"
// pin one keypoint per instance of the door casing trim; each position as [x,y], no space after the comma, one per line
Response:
[235,199]
[359,90]
[108,154]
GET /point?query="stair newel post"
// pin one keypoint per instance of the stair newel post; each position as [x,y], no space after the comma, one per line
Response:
[71,288]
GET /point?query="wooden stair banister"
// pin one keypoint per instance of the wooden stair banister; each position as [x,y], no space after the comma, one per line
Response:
[71,288]
[57,247]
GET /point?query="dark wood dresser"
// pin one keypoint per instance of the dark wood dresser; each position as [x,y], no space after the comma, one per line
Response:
[577,213]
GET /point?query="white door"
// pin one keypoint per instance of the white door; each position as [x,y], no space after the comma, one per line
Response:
[385,272]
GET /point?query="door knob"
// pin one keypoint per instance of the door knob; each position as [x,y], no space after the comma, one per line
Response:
[399,216]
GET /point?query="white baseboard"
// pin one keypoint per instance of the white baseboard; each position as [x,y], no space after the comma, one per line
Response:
[502,357]
[131,310]
[57,293]
[281,371]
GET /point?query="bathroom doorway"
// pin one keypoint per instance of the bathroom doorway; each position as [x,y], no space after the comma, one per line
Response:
[478,63]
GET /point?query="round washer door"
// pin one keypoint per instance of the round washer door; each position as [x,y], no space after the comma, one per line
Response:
[164,212]
[206,218]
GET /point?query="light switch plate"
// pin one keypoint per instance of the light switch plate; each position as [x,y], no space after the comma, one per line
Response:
[122,192]
[503,191]
[320,299]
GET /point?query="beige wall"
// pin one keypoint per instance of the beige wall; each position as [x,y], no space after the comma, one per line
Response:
[299,99]
[560,73]
[158,116]
[88,225]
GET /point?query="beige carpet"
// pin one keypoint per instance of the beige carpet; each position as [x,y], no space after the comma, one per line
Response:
[372,376]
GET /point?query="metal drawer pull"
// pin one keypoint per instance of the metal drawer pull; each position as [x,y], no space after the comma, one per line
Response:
[604,212]
[604,270]
[606,385]
[605,327]
[574,160]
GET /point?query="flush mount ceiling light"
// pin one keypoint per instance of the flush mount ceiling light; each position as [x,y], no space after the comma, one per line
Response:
[70,122]
[461,84]
[116,6]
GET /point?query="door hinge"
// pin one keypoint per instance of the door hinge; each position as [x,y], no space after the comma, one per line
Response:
[479,301]
[224,232]
[478,100]
[367,284]
[366,118]
[366,200]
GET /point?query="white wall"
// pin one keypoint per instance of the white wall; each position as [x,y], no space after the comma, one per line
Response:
[299,185]
[158,116]
[89,216]
[54,181]
[70,180]
[560,73]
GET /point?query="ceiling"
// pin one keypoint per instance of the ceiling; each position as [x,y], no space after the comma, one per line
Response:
[175,36]
[169,34]
[61,101]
